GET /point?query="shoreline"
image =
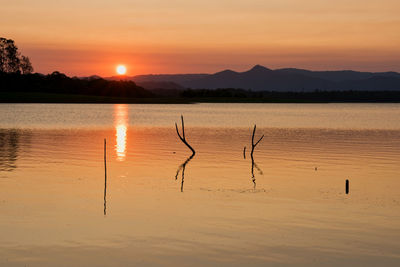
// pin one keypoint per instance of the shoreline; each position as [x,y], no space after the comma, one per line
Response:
[22,97]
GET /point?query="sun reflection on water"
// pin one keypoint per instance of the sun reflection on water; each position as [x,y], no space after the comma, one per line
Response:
[121,126]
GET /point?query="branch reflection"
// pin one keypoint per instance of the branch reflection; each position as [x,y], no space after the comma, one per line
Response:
[254,165]
[105,196]
[181,169]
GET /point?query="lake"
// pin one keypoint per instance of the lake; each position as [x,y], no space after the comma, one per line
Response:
[158,206]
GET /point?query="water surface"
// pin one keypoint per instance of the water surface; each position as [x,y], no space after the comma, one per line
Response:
[291,210]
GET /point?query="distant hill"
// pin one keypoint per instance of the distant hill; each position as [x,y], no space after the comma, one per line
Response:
[151,85]
[339,76]
[175,78]
[170,82]
[260,78]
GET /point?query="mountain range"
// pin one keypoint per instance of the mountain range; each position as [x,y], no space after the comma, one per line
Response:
[260,78]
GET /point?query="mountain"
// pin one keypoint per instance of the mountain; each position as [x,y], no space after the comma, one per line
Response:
[89,78]
[260,78]
[152,85]
[160,81]
[339,76]
[175,78]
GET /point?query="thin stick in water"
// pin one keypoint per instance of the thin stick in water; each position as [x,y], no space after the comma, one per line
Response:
[105,176]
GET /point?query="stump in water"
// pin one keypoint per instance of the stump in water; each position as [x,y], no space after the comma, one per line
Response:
[347,187]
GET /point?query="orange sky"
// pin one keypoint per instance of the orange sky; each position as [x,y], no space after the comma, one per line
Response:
[178,36]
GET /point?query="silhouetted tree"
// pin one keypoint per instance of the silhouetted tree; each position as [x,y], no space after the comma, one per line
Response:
[25,64]
[11,61]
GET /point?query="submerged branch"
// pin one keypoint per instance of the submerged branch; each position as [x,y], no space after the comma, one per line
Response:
[183,138]
[253,163]
[253,145]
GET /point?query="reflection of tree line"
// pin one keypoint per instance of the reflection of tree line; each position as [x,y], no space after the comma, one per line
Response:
[9,146]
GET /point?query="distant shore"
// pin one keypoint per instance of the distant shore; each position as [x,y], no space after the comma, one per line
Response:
[346,97]
[59,88]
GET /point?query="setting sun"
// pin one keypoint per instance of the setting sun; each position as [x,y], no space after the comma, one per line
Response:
[121,69]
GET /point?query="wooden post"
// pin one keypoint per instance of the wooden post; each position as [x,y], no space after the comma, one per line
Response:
[105,176]
[347,187]
[105,158]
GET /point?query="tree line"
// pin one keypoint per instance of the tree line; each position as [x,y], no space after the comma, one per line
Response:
[16,77]
[241,95]
[59,83]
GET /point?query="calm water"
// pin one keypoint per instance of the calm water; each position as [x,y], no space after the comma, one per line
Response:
[55,211]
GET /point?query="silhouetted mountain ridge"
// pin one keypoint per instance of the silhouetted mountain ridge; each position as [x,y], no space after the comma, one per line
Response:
[260,78]
[341,75]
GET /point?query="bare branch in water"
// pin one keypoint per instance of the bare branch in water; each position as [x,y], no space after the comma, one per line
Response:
[253,145]
[253,164]
[183,138]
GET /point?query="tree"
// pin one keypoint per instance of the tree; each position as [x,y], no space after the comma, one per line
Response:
[25,64]
[11,61]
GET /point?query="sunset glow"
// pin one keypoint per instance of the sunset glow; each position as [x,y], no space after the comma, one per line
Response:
[205,36]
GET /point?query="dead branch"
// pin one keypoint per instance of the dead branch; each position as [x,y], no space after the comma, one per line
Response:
[183,138]
[253,145]
[253,163]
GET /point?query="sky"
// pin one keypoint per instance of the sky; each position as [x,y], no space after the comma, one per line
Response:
[83,38]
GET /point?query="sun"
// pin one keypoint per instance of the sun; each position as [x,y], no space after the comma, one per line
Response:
[121,69]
